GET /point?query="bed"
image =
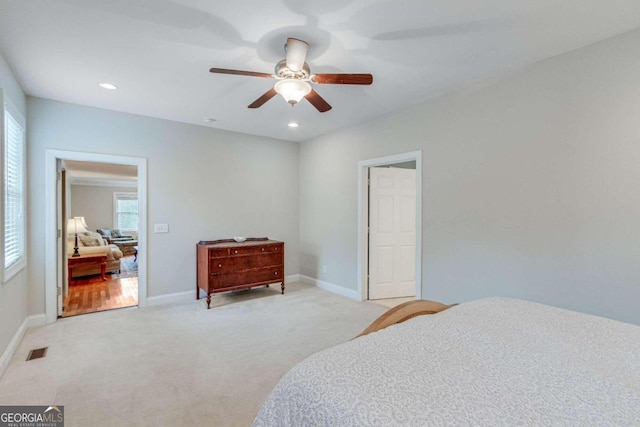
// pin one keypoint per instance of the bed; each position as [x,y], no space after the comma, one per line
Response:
[494,361]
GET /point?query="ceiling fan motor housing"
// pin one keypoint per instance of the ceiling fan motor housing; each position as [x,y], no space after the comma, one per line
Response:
[284,72]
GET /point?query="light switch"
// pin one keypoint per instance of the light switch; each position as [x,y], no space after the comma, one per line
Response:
[160,228]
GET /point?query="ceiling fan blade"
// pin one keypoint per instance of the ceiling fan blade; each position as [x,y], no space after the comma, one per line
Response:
[318,101]
[240,73]
[264,98]
[296,54]
[343,79]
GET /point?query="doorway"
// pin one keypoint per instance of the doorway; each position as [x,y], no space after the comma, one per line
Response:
[99,203]
[56,232]
[390,228]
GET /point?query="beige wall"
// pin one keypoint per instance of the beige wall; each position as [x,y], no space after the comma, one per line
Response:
[204,183]
[531,186]
[95,203]
[13,293]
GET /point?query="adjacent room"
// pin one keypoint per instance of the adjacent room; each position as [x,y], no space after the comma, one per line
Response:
[104,197]
[342,213]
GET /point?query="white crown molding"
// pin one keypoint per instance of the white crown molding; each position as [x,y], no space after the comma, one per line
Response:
[101,182]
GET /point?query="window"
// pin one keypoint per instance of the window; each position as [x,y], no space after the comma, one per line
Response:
[14,191]
[125,207]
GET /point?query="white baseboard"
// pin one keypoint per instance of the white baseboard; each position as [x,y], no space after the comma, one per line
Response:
[13,346]
[331,287]
[175,298]
[292,278]
[190,296]
[30,322]
[36,320]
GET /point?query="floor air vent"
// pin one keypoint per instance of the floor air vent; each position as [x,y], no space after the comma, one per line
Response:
[37,353]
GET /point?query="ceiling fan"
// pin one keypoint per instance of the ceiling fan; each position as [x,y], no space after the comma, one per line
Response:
[294,78]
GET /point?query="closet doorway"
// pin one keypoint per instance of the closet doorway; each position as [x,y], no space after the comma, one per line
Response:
[389,228]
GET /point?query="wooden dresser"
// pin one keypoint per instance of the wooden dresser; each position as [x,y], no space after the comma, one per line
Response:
[226,265]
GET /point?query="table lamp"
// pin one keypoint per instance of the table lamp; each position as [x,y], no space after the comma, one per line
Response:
[75,226]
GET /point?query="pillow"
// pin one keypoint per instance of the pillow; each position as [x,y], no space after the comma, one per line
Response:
[89,241]
[116,233]
[105,232]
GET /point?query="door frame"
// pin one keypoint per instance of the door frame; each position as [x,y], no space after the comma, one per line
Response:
[50,243]
[363,215]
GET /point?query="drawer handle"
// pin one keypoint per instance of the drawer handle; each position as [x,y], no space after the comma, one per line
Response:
[275,272]
[235,252]
[219,265]
[262,249]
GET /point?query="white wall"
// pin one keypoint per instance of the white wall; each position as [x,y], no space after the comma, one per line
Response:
[204,183]
[531,186]
[13,294]
[95,203]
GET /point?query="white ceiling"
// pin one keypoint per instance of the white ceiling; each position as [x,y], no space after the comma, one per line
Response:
[158,52]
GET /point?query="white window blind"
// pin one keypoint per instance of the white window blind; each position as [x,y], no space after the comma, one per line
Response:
[14,195]
[126,211]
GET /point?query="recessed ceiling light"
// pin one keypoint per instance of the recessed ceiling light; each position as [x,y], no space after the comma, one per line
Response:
[109,86]
[209,120]
[293,125]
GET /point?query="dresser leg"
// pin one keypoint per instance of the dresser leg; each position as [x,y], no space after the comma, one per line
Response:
[208,301]
[282,287]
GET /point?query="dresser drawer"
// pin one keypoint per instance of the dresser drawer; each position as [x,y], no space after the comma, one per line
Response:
[240,263]
[256,249]
[218,253]
[225,280]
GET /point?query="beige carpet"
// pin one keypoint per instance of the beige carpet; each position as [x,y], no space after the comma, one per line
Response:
[182,364]
[391,302]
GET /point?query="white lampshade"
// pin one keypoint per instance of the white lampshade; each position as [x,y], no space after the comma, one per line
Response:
[74,225]
[292,90]
[81,219]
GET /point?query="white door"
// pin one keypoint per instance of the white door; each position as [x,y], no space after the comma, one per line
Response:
[61,249]
[392,233]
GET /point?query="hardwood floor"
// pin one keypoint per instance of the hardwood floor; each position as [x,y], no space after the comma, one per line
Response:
[90,294]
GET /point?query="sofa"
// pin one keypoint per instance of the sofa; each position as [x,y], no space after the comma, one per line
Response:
[125,242]
[93,243]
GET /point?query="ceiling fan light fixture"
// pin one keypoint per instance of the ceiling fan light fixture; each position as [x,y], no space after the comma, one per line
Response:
[108,86]
[292,90]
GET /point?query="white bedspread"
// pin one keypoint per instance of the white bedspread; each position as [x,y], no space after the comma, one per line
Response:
[491,362]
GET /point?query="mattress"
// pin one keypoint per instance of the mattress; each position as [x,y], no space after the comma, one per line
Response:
[494,361]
